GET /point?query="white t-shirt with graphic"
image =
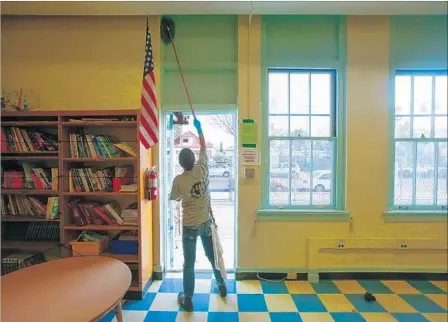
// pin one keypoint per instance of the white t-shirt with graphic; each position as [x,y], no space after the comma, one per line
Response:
[192,187]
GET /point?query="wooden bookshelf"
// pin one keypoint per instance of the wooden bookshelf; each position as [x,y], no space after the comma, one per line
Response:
[120,124]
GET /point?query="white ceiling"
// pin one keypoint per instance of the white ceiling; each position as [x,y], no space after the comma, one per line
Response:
[223,7]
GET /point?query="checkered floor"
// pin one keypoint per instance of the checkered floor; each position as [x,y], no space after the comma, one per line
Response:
[255,301]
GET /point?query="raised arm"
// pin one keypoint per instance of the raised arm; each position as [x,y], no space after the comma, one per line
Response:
[198,127]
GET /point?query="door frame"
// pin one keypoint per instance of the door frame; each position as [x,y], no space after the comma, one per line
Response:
[163,215]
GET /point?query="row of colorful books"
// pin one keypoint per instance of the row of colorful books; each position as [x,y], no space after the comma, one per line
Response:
[86,212]
[27,176]
[20,259]
[86,145]
[16,139]
[108,179]
[48,230]
[20,205]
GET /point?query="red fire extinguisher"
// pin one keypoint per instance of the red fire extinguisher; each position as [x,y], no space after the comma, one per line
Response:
[152,180]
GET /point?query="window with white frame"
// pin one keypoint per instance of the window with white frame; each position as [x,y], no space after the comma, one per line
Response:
[420,140]
[302,138]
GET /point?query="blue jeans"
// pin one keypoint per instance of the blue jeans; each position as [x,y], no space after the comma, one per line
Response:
[189,238]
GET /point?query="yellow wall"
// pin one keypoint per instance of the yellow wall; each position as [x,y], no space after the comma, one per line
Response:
[96,63]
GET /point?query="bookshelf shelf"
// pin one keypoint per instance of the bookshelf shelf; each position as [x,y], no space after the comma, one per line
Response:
[27,219]
[99,123]
[31,153]
[100,227]
[127,258]
[101,194]
[36,245]
[120,159]
[30,192]
[105,129]
[30,123]
[30,158]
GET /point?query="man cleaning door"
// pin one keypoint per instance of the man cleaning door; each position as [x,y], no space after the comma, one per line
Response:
[192,187]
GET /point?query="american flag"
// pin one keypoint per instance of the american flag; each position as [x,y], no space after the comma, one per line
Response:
[149,125]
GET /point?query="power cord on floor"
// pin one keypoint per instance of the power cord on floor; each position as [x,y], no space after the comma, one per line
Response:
[272,281]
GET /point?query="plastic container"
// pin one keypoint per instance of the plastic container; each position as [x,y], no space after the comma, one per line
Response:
[124,246]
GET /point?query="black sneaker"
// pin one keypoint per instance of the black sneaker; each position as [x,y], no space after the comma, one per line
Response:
[185,302]
[222,290]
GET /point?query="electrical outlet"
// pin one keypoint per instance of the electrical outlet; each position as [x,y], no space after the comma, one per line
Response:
[341,243]
[402,244]
[291,276]
[249,173]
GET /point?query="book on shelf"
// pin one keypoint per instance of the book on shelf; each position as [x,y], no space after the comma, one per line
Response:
[18,139]
[130,215]
[128,235]
[20,259]
[19,205]
[86,145]
[26,176]
[86,212]
[36,230]
[89,236]
[91,180]
[126,148]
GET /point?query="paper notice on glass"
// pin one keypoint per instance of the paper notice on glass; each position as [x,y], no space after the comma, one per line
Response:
[249,156]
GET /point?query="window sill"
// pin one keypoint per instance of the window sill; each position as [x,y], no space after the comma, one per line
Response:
[415,215]
[302,215]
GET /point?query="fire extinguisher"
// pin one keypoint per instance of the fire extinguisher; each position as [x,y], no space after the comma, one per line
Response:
[152,183]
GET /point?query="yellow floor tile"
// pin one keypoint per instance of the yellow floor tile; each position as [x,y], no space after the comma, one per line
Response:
[394,303]
[350,287]
[202,286]
[441,299]
[192,317]
[165,302]
[436,317]
[299,287]
[249,287]
[251,317]
[316,317]
[219,304]
[441,284]
[336,303]
[400,287]
[280,303]
[378,317]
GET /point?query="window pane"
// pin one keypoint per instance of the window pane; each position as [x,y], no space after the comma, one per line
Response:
[442,174]
[422,126]
[422,95]
[402,95]
[301,181]
[320,126]
[424,194]
[441,95]
[404,173]
[440,126]
[278,125]
[299,126]
[278,93]
[320,93]
[322,181]
[300,93]
[279,172]
[403,127]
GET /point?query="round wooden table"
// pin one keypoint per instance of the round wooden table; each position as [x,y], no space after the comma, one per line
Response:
[74,289]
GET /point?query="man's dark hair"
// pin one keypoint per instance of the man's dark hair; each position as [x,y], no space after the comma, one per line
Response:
[186,159]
